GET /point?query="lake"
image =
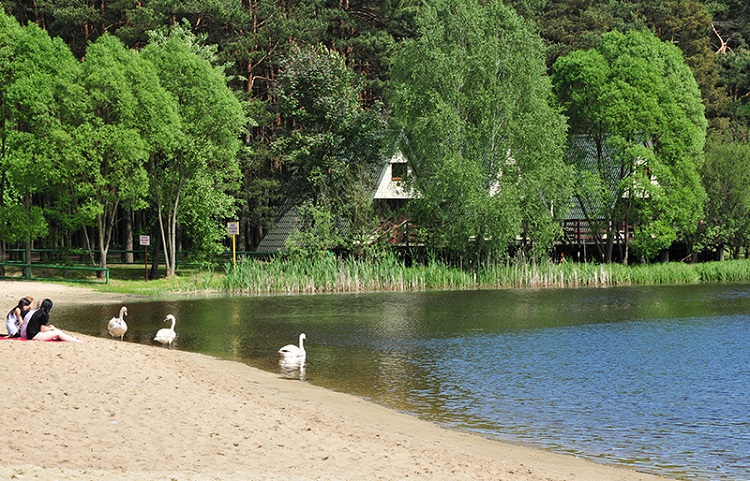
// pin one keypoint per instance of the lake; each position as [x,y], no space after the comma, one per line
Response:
[655,378]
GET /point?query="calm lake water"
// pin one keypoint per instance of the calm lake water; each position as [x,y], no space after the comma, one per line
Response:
[656,378]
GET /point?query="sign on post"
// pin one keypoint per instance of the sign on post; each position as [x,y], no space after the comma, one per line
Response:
[233,229]
[145,242]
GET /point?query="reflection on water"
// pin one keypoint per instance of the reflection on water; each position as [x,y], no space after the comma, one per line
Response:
[292,367]
[656,378]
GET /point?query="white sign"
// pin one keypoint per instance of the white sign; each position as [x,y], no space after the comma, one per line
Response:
[233,228]
[145,240]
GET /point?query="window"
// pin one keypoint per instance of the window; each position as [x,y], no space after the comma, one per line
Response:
[398,172]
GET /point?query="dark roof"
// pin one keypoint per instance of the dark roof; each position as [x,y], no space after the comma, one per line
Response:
[583,152]
[286,224]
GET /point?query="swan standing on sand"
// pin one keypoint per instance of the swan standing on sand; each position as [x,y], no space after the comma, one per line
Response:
[117,326]
[166,336]
[290,350]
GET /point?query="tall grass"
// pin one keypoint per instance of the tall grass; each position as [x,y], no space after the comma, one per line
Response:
[330,274]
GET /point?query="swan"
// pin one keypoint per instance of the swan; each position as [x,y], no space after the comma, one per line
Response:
[117,325]
[290,350]
[166,336]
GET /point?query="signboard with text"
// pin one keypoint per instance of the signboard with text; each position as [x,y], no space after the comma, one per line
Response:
[233,229]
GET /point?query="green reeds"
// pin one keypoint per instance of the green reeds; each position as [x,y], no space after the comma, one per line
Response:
[724,271]
[330,274]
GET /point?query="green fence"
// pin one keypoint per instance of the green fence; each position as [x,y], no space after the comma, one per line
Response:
[26,271]
[114,256]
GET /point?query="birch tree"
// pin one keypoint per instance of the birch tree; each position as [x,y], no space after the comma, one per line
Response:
[132,118]
[474,100]
[192,185]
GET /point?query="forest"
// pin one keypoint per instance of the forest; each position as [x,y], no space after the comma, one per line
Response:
[121,118]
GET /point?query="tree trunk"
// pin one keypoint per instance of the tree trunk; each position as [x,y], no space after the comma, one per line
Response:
[27,259]
[162,239]
[173,244]
[155,258]
[103,247]
[129,256]
[609,246]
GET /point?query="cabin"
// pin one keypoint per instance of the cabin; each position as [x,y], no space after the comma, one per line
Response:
[392,190]
[582,231]
[389,195]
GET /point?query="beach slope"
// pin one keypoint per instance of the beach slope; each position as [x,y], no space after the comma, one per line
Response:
[111,410]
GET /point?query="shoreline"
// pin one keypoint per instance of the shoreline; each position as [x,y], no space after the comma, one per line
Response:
[110,410]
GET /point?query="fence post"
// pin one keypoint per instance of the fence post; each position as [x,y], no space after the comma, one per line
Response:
[27,266]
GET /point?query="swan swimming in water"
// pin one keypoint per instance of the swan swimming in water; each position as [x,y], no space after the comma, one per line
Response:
[117,326]
[290,350]
[166,336]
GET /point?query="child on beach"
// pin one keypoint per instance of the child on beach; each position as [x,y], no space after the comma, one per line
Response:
[37,327]
[14,319]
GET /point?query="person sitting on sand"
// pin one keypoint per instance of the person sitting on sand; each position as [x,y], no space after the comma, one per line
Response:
[27,315]
[14,319]
[38,328]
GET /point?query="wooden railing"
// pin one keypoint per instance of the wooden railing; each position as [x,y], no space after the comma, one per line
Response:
[579,231]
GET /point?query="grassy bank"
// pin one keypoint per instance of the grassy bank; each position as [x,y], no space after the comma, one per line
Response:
[335,275]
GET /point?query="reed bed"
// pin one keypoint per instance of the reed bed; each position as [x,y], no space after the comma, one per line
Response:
[330,274]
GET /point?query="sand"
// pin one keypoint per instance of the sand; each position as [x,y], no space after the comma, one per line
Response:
[112,410]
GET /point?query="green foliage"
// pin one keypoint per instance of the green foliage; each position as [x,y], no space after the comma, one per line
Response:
[331,149]
[485,142]
[39,106]
[192,182]
[728,271]
[570,25]
[130,119]
[316,236]
[635,99]
[726,176]
[735,76]
[47,121]
[687,24]
[730,18]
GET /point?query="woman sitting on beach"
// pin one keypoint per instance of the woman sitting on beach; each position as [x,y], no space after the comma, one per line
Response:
[37,327]
[14,319]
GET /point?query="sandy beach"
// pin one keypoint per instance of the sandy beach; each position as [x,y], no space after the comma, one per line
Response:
[111,410]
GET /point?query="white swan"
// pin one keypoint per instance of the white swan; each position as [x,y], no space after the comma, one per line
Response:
[166,336]
[117,326]
[290,350]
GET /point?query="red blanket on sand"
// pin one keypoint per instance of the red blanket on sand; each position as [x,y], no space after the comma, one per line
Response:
[22,339]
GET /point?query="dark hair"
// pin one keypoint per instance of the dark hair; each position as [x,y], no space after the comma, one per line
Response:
[21,304]
[42,314]
[46,306]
